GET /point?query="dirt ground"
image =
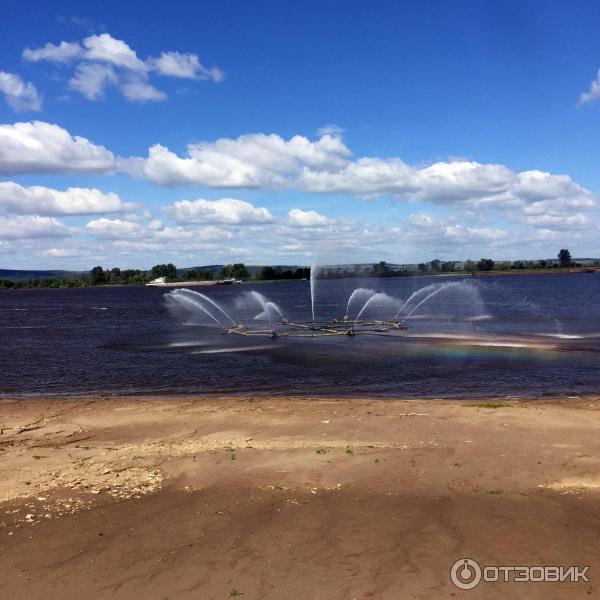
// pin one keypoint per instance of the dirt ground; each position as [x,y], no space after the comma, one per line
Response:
[281,498]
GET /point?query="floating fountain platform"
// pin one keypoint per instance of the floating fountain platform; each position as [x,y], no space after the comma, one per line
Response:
[334,327]
[197,307]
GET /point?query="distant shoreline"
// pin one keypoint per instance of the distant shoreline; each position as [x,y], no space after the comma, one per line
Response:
[470,274]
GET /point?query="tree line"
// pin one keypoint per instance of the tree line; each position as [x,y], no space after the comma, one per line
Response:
[116,276]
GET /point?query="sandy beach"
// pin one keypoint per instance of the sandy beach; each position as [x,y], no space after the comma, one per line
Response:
[264,498]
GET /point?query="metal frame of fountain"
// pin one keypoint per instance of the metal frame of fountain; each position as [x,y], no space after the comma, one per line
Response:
[318,328]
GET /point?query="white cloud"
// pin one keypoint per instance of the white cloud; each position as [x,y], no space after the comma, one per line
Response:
[64,52]
[114,228]
[154,233]
[103,61]
[47,201]
[31,226]
[39,147]
[106,48]
[226,210]
[61,252]
[251,161]
[92,79]
[306,218]
[570,222]
[205,234]
[426,227]
[362,177]
[137,89]
[19,95]
[326,166]
[188,66]
[593,95]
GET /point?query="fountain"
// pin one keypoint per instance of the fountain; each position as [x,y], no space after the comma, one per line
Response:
[266,306]
[468,294]
[313,283]
[434,293]
[420,292]
[380,296]
[457,296]
[189,304]
[199,296]
[355,295]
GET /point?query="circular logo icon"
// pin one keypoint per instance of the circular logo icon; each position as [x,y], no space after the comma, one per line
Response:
[465,574]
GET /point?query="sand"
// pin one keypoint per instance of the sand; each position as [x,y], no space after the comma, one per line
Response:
[276,498]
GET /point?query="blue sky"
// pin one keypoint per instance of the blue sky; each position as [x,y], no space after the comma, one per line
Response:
[351,131]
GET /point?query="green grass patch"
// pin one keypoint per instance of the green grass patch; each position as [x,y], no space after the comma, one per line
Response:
[349,450]
[496,492]
[321,450]
[235,593]
[38,456]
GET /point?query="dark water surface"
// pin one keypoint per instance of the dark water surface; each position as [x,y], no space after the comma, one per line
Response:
[493,337]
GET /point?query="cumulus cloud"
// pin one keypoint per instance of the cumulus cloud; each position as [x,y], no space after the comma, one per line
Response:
[92,79]
[187,66]
[114,228]
[430,228]
[326,166]
[47,201]
[154,233]
[39,147]
[137,89]
[108,49]
[34,226]
[593,95]
[103,61]
[64,52]
[250,161]
[306,218]
[226,210]
[491,206]
[19,95]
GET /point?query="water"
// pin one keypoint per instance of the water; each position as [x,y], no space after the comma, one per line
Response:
[495,337]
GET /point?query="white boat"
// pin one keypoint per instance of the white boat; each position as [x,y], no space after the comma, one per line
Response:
[162,282]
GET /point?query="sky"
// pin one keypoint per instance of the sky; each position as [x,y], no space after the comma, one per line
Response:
[262,132]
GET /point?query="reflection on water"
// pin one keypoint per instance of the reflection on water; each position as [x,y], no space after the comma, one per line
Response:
[497,336]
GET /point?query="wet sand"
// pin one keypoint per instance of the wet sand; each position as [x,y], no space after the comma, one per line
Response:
[271,498]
